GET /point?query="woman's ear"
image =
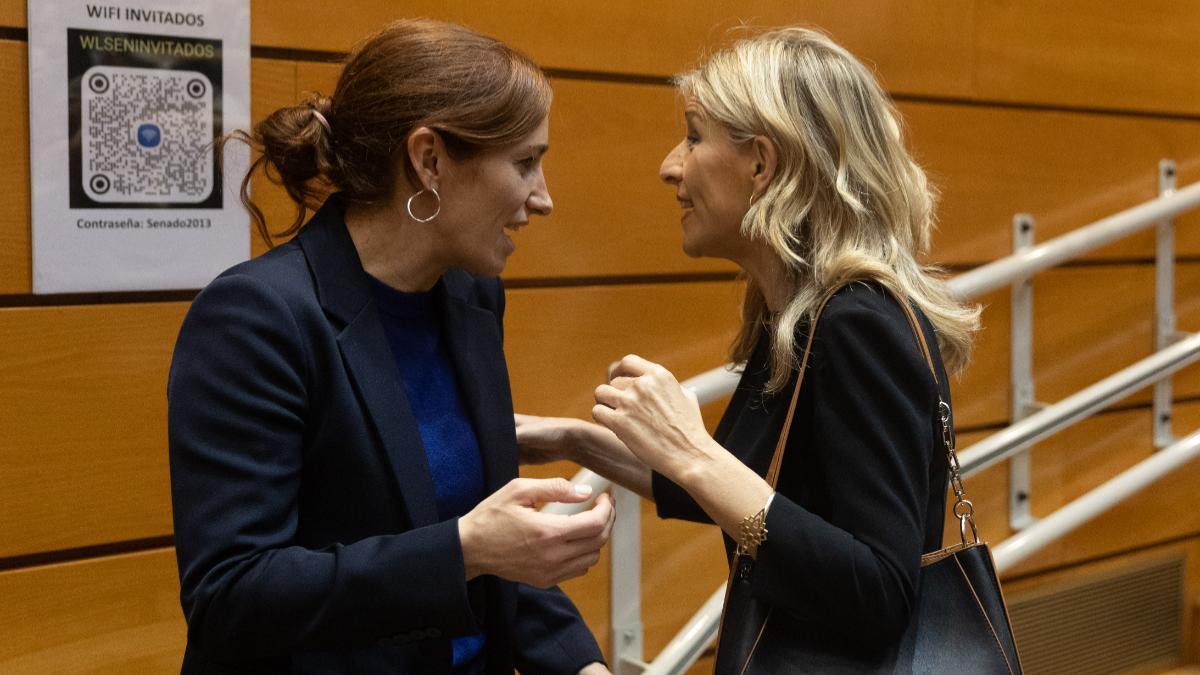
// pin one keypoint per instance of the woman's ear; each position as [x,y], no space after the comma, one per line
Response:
[425,151]
[766,161]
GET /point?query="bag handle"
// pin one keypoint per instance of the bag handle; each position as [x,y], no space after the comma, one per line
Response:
[964,510]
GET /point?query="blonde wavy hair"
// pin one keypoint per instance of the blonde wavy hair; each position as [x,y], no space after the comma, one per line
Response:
[847,202]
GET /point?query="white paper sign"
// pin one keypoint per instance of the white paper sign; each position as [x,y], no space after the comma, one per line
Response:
[125,101]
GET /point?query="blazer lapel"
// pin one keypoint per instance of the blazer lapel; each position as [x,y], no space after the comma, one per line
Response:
[473,339]
[345,293]
[372,367]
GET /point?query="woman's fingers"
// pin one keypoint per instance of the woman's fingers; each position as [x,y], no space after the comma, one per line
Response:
[604,416]
[546,490]
[610,396]
[623,383]
[631,365]
[577,566]
[591,525]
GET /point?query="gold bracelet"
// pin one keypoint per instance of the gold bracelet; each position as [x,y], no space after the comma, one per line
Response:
[754,531]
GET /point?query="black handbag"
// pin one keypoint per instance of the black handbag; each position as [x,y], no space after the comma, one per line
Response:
[959,625]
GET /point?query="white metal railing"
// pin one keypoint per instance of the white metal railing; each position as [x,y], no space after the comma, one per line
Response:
[1051,419]
[1032,422]
[1050,528]
[1088,238]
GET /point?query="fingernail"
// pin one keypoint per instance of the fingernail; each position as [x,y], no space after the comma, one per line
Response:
[583,489]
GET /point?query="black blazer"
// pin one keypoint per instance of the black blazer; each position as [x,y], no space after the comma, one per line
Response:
[305,522]
[862,487]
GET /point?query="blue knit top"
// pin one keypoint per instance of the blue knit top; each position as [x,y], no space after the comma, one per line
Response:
[413,325]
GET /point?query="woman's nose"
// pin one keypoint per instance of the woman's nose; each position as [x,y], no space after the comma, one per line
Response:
[672,165]
[539,201]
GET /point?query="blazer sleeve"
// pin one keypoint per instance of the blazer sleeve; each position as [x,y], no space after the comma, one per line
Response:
[551,637]
[873,433]
[238,401]
[672,501]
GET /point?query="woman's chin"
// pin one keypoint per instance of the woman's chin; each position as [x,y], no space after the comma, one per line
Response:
[492,267]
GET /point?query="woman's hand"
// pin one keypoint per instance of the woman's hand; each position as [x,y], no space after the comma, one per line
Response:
[596,668]
[658,420]
[545,439]
[507,536]
[541,440]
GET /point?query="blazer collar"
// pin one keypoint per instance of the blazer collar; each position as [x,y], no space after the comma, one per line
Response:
[472,337]
[343,287]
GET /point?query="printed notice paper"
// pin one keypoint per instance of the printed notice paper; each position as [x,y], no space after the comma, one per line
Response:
[125,103]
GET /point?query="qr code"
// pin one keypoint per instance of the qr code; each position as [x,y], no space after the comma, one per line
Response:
[146,135]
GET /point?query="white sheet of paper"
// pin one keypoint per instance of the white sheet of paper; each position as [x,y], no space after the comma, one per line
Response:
[126,100]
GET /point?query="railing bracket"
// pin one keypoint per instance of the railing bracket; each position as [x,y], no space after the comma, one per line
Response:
[1023,403]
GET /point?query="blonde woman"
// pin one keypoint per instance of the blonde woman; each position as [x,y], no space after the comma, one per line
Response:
[794,168]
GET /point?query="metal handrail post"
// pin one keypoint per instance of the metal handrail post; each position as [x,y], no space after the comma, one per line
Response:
[1021,376]
[1164,305]
[625,585]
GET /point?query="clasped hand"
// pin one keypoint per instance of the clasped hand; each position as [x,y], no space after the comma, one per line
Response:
[657,419]
[506,535]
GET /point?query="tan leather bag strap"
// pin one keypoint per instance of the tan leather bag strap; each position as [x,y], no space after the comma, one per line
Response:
[781,444]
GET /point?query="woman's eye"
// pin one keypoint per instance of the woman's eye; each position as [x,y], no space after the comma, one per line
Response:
[692,139]
[526,165]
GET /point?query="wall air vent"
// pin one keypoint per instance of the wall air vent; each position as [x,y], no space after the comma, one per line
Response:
[1117,621]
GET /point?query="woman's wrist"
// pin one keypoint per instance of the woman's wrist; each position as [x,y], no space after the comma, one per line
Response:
[587,441]
[579,441]
[468,544]
[708,463]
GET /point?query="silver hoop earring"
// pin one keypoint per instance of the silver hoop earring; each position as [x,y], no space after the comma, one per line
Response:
[408,205]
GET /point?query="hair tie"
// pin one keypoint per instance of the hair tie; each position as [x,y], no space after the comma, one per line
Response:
[323,122]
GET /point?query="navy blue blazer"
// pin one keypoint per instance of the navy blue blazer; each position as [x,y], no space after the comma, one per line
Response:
[306,528]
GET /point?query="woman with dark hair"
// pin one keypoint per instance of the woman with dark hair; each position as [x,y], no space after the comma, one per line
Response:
[343,460]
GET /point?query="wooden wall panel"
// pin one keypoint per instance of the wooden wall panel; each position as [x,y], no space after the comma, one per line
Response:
[561,341]
[1130,55]
[15,240]
[83,458]
[919,48]
[1125,55]
[118,614]
[1067,54]
[12,13]
[1067,169]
